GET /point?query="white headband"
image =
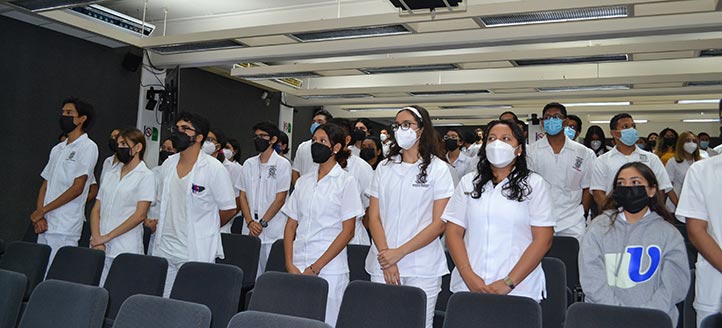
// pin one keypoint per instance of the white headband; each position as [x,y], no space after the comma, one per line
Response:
[413,110]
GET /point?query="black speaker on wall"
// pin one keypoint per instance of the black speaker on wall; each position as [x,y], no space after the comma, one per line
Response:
[131,61]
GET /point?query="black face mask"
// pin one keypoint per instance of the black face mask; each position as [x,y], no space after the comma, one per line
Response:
[66,124]
[180,140]
[357,135]
[633,199]
[163,155]
[261,144]
[651,144]
[668,142]
[113,145]
[124,155]
[367,154]
[320,153]
[451,144]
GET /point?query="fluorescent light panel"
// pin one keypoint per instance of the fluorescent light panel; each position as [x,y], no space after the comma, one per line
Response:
[197,46]
[701,120]
[448,124]
[587,88]
[358,32]
[563,15]
[703,83]
[354,110]
[698,101]
[479,107]
[605,122]
[711,52]
[407,69]
[111,17]
[449,93]
[572,60]
[345,96]
[275,76]
[594,104]
[45,5]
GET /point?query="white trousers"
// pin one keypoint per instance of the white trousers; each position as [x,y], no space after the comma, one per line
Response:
[430,286]
[56,241]
[170,277]
[263,258]
[576,231]
[106,269]
[337,284]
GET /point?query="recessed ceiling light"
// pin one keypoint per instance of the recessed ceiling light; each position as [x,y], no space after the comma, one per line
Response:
[478,107]
[44,5]
[551,16]
[587,88]
[358,32]
[698,101]
[710,52]
[346,96]
[353,110]
[275,76]
[448,124]
[701,120]
[449,93]
[594,104]
[197,46]
[605,122]
[572,60]
[703,83]
[407,69]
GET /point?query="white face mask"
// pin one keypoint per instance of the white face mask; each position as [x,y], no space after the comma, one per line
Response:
[383,137]
[500,154]
[209,147]
[690,147]
[596,144]
[227,153]
[406,138]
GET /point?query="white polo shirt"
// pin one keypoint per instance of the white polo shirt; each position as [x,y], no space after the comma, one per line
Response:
[406,208]
[107,166]
[303,162]
[261,182]
[234,171]
[718,149]
[676,172]
[320,208]
[461,164]
[66,163]
[354,151]
[568,173]
[118,201]
[607,165]
[154,210]
[363,173]
[209,192]
[472,151]
[700,199]
[498,231]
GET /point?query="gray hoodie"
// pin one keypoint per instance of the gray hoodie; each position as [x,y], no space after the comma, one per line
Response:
[637,265]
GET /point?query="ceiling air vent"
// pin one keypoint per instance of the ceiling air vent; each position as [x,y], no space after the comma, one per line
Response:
[710,53]
[572,60]
[197,46]
[450,93]
[587,88]
[358,32]
[408,69]
[563,15]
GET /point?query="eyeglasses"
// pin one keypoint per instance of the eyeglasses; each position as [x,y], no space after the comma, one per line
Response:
[211,139]
[557,116]
[404,125]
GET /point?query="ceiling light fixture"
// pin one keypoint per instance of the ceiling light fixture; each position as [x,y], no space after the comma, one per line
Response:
[595,104]
[552,16]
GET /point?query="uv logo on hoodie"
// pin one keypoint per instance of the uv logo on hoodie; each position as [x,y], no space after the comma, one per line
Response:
[629,271]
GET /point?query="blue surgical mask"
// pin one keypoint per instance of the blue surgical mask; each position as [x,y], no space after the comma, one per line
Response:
[704,144]
[629,136]
[314,125]
[553,126]
[570,132]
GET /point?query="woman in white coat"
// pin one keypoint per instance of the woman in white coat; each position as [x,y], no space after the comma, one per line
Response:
[123,201]
[499,222]
[408,194]
[322,214]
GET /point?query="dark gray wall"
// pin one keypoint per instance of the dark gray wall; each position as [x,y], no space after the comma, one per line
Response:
[230,106]
[39,69]
[302,117]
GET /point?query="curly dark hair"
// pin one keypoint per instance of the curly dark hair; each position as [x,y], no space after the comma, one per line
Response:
[517,187]
[611,208]
[428,143]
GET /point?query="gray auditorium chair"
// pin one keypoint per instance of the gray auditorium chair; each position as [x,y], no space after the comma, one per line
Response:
[12,289]
[77,264]
[276,257]
[57,303]
[467,310]
[554,307]
[217,286]
[30,259]
[357,262]
[145,311]
[290,294]
[132,274]
[589,315]
[254,319]
[373,305]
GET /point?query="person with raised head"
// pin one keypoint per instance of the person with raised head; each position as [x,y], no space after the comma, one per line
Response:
[196,199]
[265,181]
[60,212]
[625,134]
[632,255]
[567,167]
[123,201]
[409,192]
[321,216]
[499,221]
[302,162]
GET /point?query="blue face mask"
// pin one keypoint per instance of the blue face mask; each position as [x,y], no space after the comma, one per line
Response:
[570,132]
[704,144]
[629,136]
[553,126]
[314,126]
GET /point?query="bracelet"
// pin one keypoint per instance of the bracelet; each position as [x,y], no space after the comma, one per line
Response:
[312,270]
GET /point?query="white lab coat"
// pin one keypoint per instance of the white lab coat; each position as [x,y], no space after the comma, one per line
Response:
[607,165]
[363,173]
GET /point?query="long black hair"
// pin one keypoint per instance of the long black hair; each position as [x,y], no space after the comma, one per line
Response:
[428,142]
[336,135]
[656,204]
[517,187]
[595,129]
[379,148]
